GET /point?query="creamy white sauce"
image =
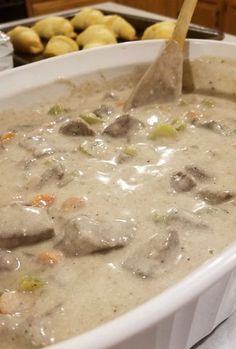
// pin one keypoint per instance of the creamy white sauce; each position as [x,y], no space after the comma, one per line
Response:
[82,292]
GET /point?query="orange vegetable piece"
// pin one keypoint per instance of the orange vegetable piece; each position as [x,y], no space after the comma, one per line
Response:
[9,302]
[43,200]
[73,203]
[7,136]
[49,257]
[120,103]
[193,115]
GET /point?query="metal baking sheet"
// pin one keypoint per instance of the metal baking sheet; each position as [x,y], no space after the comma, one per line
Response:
[139,23]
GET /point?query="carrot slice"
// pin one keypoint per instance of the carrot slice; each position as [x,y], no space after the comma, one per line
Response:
[43,200]
[9,302]
[193,115]
[120,103]
[73,203]
[7,136]
[49,257]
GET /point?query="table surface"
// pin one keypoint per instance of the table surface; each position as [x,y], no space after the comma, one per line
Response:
[224,337]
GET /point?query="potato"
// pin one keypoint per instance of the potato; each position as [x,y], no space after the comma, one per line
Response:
[96,35]
[25,39]
[87,17]
[54,25]
[59,45]
[162,30]
[120,27]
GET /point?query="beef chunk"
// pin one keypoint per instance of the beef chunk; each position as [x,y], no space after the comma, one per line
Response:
[215,197]
[37,145]
[197,173]
[182,219]
[121,126]
[37,330]
[76,127]
[83,235]
[103,110]
[154,257]
[8,261]
[55,172]
[211,125]
[23,225]
[182,182]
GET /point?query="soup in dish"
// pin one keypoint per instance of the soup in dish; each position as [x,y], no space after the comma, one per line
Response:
[102,210]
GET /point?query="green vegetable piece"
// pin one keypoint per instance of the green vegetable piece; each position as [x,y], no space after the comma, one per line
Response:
[130,150]
[30,283]
[208,103]
[163,130]
[178,124]
[174,120]
[57,109]
[85,148]
[91,118]
[159,218]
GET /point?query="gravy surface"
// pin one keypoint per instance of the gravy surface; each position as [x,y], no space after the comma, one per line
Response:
[129,205]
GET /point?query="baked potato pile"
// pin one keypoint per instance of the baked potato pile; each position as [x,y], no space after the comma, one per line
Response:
[55,35]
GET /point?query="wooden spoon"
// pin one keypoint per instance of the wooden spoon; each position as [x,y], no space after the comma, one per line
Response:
[162,82]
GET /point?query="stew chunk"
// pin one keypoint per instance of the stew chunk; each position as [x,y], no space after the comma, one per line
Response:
[23,225]
[83,235]
[76,128]
[8,261]
[121,126]
[215,197]
[182,182]
[154,257]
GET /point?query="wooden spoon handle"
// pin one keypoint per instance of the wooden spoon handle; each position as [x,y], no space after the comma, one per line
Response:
[183,21]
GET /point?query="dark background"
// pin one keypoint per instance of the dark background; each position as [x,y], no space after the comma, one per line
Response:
[11,10]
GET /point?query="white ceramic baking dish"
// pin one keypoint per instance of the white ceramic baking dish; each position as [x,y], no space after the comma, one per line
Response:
[190,310]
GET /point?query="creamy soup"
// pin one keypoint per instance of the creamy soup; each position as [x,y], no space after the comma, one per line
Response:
[101,210]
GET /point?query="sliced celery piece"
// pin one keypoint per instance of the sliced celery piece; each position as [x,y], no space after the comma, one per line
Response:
[163,130]
[91,118]
[30,283]
[58,109]
[130,150]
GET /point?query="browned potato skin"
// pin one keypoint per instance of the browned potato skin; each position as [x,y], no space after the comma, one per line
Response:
[54,25]
[60,45]
[120,27]
[25,40]
[162,30]
[57,33]
[87,17]
[96,35]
